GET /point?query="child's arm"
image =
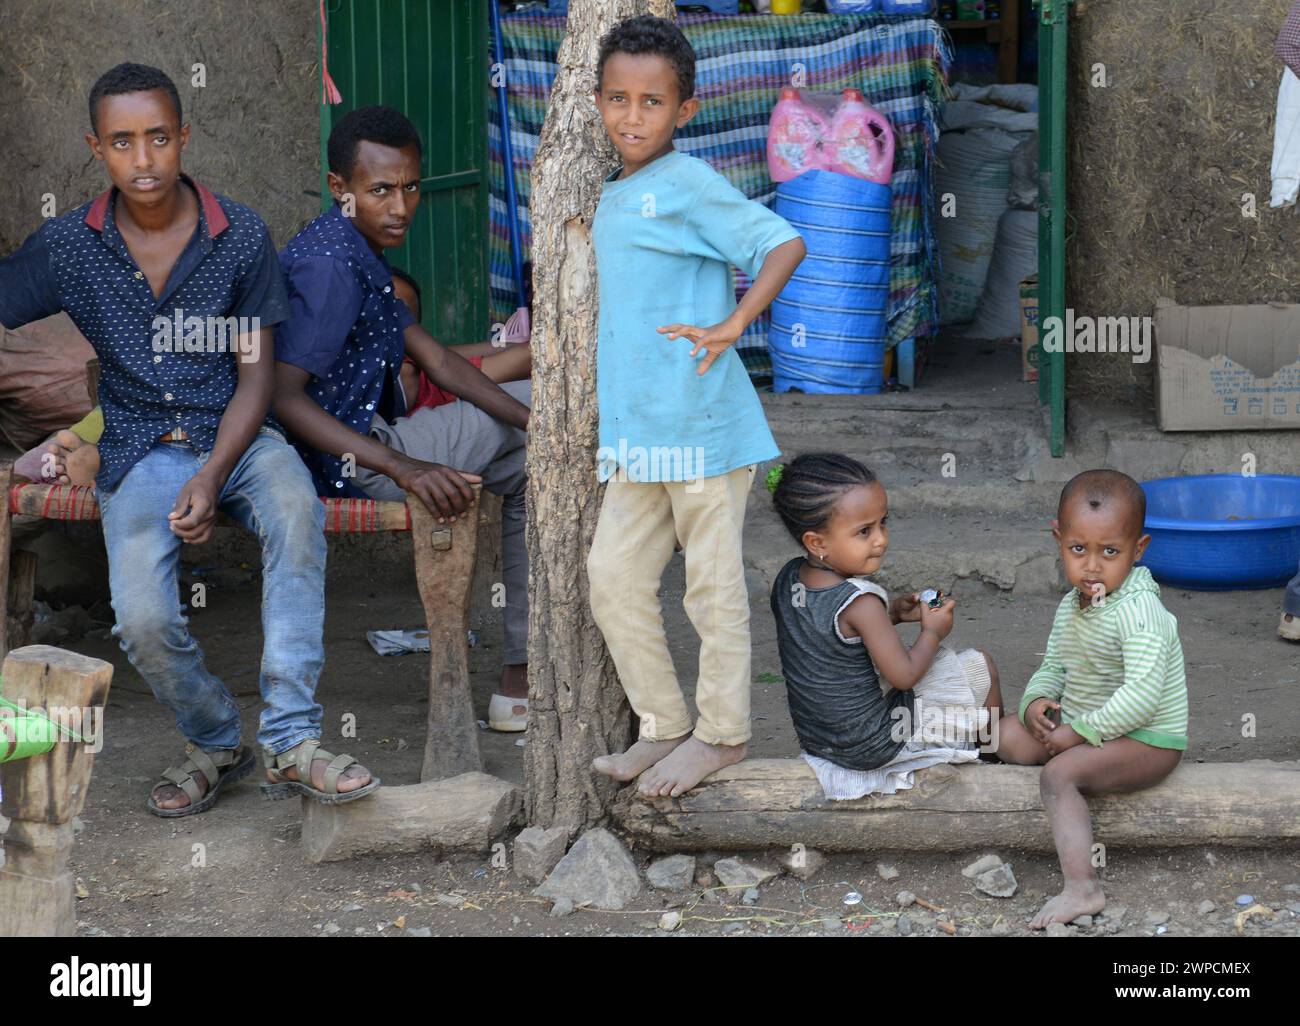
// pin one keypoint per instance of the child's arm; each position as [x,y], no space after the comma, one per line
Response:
[777,268]
[866,617]
[1043,692]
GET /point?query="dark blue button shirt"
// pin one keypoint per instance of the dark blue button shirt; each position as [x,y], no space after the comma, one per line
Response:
[149,384]
[345,330]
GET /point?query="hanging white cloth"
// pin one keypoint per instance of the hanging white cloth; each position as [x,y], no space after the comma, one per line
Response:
[1286,142]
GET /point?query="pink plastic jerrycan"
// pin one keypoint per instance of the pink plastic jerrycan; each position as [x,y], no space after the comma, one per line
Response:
[861,141]
[794,136]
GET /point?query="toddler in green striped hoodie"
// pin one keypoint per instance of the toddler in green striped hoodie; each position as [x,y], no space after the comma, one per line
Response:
[1107,710]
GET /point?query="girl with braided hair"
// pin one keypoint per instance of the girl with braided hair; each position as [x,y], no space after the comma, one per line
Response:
[868,710]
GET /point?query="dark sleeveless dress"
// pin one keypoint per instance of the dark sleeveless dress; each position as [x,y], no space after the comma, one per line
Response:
[836,704]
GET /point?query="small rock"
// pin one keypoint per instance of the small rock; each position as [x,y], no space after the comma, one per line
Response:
[920,921]
[1115,912]
[451,900]
[802,862]
[671,874]
[537,851]
[981,865]
[353,907]
[420,931]
[903,925]
[1084,920]
[597,871]
[737,873]
[332,927]
[359,930]
[1156,918]
[998,883]
[1245,899]
[1206,907]
[832,925]
[670,921]
[1291,888]
[1001,928]
[562,907]
[1057,930]
[1293,907]
[417,888]
[886,872]
[733,928]
[750,896]
[905,898]
[515,920]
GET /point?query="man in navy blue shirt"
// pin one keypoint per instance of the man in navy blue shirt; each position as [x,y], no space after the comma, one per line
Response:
[338,372]
[177,289]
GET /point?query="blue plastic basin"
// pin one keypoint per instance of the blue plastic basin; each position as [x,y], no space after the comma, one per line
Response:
[1219,532]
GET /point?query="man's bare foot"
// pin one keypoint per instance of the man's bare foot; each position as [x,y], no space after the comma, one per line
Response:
[636,760]
[686,766]
[349,780]
[1077,899]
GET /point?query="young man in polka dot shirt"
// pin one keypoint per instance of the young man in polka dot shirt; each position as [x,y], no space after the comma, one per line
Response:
[155,272]
[338,373]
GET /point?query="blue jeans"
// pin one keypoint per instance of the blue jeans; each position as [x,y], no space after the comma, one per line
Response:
[271,493]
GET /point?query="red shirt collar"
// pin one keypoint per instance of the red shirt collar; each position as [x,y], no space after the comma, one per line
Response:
[212,212]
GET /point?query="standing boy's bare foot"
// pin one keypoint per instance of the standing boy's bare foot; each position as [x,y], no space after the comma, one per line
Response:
[686,766]
[1077,899]
[636,760]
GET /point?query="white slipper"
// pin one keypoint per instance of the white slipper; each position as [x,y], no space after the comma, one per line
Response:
[1290,631]
[502,715]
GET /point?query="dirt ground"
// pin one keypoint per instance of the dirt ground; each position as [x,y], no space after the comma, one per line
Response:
[146,876]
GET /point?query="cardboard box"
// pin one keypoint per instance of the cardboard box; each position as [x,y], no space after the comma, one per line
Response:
[1029,351]
[1227,368]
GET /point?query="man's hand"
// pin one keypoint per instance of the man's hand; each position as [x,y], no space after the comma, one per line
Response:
[1060,739]
[906,608]
[444,490]
[1037,722]
[715,340]
[195,512]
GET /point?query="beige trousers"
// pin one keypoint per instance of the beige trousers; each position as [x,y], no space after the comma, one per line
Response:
[639,524]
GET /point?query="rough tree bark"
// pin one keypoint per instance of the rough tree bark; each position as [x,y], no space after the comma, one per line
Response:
[577,708]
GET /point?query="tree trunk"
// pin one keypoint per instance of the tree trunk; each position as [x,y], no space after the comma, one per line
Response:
[577,708]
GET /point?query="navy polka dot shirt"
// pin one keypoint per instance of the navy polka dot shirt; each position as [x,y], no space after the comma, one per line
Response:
[79,262]
[346,331]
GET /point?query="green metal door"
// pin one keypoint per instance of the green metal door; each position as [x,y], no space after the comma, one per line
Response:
[429,59]
[1052,22]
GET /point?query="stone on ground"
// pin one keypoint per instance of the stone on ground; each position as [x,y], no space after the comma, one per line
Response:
[802,863]
[999,882]
[981,865]
[738,874]
[537,851]
[673,873]
[886,872]
[597,871]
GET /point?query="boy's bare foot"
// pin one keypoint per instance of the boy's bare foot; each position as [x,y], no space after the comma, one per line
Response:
[1077,899]
[636,760]
[686,766]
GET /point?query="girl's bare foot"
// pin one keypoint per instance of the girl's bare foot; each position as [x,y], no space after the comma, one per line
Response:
[637,759]
[1083,898]
[686,766]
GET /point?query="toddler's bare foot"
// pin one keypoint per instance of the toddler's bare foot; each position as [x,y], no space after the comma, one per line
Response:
[686,766]
[1077,899]
[640,757]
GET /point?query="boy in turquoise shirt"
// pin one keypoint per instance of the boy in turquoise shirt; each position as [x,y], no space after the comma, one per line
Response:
[680,432]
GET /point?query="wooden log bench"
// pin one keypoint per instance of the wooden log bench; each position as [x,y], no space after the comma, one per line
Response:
[778,803]
[444,565]
[44,793]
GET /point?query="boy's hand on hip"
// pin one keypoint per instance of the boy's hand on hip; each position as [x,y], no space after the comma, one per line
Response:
[1038,723]
[195,512]
[1062,738]
[445,491]
[715,340]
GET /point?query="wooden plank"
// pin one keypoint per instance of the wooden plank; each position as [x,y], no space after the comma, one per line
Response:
[44,793]
[765,803]
[444,563]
